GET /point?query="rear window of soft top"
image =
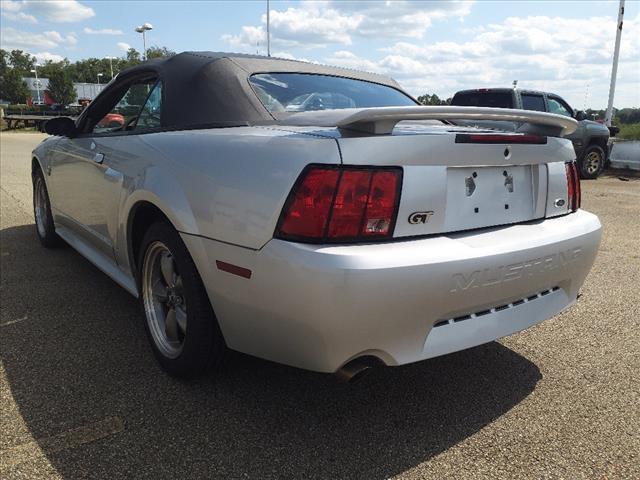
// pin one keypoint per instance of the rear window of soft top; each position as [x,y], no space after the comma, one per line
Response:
[302,92]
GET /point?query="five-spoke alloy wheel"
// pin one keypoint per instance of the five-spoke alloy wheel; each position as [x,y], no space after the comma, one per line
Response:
[164,302]
[180,323]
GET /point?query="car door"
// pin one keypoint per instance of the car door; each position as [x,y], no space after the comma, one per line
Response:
[558,106]
[86,171]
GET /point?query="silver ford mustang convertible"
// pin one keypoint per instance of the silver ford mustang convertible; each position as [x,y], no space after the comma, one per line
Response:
[314,216]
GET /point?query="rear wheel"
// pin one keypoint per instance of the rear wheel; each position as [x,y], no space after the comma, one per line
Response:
[45,229]
[592,162]
[180,323]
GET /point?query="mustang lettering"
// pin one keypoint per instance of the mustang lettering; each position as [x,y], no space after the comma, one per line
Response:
[506,273]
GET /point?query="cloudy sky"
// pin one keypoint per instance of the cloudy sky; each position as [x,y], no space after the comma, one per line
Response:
[428,46]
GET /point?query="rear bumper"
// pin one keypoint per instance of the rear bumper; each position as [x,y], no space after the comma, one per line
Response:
[317,307]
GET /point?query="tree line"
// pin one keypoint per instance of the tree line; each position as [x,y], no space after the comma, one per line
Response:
[623,116]
[16,64]
[427,99]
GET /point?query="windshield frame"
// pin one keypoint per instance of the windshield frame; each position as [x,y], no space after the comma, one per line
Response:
[280,115]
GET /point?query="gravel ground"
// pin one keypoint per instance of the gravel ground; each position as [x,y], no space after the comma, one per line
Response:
[81,396]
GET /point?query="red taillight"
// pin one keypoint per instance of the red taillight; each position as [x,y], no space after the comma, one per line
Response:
[573,186]
[310,204]
[334,204]
[350,204]
[382,203]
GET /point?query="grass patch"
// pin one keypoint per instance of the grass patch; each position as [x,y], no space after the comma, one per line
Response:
[630,131]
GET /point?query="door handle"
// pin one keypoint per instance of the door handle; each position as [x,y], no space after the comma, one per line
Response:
[98,157]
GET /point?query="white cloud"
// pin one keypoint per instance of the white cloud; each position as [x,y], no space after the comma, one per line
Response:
[123,46]
[102,31]
[10,6]
[15,39]
[42,57]
[250,38]
[401,18]
[56,11]
[318,24]
[346,59]
[289,56]
[19,17]
[546,53]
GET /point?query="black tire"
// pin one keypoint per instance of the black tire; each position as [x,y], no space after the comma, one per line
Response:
[592,162]
[202,344]
[45,229]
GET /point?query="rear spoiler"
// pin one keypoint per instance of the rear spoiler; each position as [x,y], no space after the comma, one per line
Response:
[382,120]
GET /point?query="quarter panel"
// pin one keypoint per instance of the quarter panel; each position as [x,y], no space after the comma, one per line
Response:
[226,184]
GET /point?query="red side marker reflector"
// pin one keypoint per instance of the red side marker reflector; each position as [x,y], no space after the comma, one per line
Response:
[234,269]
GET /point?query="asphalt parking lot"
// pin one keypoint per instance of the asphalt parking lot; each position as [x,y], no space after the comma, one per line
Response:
[81,396]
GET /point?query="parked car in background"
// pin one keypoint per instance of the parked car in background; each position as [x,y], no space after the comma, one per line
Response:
[248,209]
[111,120]
[590,140]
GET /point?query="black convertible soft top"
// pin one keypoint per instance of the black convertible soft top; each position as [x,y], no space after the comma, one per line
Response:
[212,88]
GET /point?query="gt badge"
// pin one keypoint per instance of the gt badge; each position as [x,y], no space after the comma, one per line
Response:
[420,217]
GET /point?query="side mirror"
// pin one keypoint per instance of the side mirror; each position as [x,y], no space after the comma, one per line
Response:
[61,127]
[580,115]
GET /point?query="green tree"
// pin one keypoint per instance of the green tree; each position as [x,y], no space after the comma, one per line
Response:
[46,69]
[61,87]
[4,61]
[427,99]
[22,62]
[133,57]
[12,87]
[628,115]
[138,94]
[159,52]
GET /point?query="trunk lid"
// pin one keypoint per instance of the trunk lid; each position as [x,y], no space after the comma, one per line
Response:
[456,178]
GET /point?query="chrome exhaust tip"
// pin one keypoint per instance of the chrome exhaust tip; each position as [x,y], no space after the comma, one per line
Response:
[355,370]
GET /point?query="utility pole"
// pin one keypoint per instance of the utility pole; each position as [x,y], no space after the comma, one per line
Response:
[111,65]
[586,97]
[614,68]
[268,33]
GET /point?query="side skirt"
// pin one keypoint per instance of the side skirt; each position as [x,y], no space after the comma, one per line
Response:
[100,260]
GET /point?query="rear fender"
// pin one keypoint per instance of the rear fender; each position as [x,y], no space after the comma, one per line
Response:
[168,197]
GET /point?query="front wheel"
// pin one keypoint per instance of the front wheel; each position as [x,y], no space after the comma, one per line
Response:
[592,162]
[45,229]
[180,323]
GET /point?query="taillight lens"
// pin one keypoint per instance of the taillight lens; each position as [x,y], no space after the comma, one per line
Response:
[310,204]
[338,204]
[573,186]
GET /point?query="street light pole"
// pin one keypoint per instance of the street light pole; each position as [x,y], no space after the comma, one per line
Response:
[35,70]
[142,29]
[268,32]
[614,68]
[144,44]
